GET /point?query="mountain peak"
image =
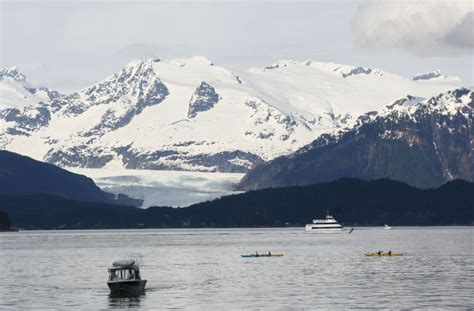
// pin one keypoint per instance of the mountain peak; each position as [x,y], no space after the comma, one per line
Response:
[282,63]
[12,72]
[201,59]
[435,74]
[344,70]
[460,92]
[141,61]
[358,71]
[181,62]
[406,101]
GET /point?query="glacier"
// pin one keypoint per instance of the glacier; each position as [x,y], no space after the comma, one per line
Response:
[163,188]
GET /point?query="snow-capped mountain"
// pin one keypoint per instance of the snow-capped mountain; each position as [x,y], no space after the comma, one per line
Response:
[424,143]
[22,105]
[17,92]
[188,114]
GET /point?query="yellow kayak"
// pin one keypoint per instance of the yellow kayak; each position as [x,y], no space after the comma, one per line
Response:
[383,254]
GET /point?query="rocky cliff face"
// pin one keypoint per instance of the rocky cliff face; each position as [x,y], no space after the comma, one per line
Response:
[203,99]
[421,142]
[436,74]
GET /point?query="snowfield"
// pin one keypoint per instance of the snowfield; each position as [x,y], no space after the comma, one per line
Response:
[163,188]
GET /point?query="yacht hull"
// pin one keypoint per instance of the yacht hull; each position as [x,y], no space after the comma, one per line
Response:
[326,231]
[309,229]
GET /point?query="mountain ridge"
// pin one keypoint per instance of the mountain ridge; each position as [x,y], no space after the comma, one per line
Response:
[422,142]
[189,114]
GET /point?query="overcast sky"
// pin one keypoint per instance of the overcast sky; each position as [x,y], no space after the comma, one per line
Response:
[71,44]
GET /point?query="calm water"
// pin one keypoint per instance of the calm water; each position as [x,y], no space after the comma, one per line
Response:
[202,269]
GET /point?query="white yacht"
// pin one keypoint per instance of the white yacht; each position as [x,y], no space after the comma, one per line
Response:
[328,225]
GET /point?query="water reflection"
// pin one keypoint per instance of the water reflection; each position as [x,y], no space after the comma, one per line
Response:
[125,300]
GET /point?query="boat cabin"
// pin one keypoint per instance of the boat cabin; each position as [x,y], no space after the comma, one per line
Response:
[329,220]
[124,270]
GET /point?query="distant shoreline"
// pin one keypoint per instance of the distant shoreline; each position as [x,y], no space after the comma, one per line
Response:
[236,228]
[9,230]
[352,202]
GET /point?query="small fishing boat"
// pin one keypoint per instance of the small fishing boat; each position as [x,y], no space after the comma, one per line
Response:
[389,254]
[387,227]
[124,277]
[256,255]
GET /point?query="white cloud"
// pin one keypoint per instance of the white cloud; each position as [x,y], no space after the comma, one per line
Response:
[424,28]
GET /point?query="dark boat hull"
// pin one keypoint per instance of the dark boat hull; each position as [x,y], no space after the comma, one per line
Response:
[262,255]
[129,286]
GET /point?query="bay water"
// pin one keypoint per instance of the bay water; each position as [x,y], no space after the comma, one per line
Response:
[201,269]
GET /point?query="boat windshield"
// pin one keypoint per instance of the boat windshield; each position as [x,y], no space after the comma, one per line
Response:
[123,274]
